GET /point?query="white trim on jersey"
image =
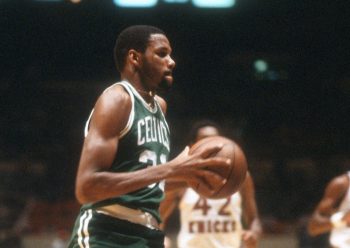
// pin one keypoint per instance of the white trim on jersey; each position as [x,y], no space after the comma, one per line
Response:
[126,129]
[147,106]
[128,126]
[83,232]
[161,111]
[86,129]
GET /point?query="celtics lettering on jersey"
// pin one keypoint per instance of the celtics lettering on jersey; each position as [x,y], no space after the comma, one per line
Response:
[150,129]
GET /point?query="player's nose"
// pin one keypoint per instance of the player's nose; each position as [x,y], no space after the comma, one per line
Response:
[171,63]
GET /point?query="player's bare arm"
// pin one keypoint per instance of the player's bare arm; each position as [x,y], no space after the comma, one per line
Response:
[172,195]
[250,214]
[100,145]
[95,183]
[320,221]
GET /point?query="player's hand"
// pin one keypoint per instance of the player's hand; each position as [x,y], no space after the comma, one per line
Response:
[195,168]
[200,160]
[208,180]
[250,239]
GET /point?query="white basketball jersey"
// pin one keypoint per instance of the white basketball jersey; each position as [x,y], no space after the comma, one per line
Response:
[340,237]
[208,223]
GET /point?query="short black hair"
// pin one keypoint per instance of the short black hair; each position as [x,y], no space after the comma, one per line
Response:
[134,37]
[198,125]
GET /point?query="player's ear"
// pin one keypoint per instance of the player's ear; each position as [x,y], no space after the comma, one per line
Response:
[134,57]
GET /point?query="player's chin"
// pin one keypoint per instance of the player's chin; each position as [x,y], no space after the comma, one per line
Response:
[169,79]
[166,83]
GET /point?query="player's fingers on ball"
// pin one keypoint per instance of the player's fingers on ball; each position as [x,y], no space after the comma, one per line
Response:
[205,182]
[204,185]
[211,178]
[216,162]
[193,181]
[186,150]
[184,153]
[211,151]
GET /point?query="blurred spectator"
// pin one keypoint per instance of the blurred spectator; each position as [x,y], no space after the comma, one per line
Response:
[11,225]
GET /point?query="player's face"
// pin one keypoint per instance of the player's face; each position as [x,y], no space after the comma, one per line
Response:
[206,131]
[157,67]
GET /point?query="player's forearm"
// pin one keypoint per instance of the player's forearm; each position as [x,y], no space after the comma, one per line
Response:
[98,186]
[166,209]
[95,182]
[319,225]
[173,186]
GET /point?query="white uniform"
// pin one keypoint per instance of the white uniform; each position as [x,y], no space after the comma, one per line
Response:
[340,237]
[208,223]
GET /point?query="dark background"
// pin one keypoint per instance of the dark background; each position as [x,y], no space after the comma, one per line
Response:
[292,120]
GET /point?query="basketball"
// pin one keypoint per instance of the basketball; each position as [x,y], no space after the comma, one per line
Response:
[235,173]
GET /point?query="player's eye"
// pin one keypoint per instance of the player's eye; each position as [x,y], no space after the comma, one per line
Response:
[162,54]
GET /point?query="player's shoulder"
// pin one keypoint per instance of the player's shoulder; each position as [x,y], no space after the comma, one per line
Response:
[115,95]
[338,184]
[248,178]
[342,178]
[116,90]
[112,110]
[113,99]
[248,184]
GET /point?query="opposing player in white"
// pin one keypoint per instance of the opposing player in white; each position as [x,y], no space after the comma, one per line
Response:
[332,214]
[209,223]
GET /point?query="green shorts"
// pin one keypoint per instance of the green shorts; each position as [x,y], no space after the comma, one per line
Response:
[97,230]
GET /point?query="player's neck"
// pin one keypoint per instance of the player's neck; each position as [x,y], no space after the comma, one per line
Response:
[147,94]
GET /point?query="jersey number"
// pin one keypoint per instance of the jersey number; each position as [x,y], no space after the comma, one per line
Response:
[150,157]
[202,204]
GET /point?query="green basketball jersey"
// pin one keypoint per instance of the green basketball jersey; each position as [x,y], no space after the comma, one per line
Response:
[145,141]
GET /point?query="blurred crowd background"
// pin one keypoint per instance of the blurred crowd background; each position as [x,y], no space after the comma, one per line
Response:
[274,74]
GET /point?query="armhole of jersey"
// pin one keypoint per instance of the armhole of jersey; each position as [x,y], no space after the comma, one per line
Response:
[87,124]
[131,116]
[132,112]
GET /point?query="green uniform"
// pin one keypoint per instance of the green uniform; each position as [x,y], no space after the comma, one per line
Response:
[143,142]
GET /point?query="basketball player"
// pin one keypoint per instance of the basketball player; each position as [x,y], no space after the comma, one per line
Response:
[332,214]
[119,179]
[209,223]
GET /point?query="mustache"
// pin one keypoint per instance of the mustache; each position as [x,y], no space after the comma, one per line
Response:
[168,73]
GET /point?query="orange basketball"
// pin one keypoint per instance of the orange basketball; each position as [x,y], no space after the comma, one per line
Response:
[235,173]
